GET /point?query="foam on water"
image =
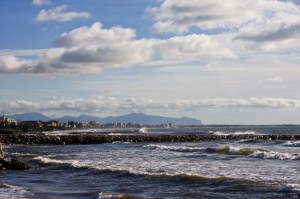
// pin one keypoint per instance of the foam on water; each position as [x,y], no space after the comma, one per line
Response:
[107,195]
[228,150]
[53,161]
[292,144]
[235,133]
[294,187]
[14,192]
[143,130]
[175,148]
[275,155]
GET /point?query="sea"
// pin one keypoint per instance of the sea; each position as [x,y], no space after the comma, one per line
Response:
[207,169]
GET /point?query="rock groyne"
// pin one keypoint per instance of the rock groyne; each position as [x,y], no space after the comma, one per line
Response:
[98,139]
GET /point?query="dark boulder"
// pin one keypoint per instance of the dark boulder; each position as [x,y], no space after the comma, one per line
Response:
[13,165]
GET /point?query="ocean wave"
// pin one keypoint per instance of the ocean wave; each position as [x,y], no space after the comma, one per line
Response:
[292,144]
[155,172]
[293,187]
[143,130]
[235,133]
[175,148]
[54,161]
[107,195]
[14,192]
[228,150]
[231,150]
[275,155]
[23,154]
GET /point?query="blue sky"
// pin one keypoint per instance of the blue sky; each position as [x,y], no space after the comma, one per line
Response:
[224,62]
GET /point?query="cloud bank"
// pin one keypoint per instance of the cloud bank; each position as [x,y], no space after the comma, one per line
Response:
[94,48]
[265,24]
[59,14]
[226,30]
[111,105]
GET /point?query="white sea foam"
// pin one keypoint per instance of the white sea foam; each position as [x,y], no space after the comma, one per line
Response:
[53,161]
[294,187]
[143,130]
[275,155]
[23,154]
[107,195]
[115,134]
[228,150]
[175,148]
[292,144]
[14,192]
[235,133]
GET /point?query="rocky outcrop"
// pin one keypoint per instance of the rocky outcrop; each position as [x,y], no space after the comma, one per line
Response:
[1,152]
[13,165]
[98,139]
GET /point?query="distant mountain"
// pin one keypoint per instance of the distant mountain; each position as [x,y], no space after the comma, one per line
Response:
[32,116]
[81,118]
[150,119]
[140,118]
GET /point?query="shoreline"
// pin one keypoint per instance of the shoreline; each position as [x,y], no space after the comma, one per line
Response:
[10,139]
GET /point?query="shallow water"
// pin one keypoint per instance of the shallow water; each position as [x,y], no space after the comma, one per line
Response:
[213,169]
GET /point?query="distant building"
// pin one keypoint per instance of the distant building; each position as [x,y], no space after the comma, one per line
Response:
[5,121]
[32,124]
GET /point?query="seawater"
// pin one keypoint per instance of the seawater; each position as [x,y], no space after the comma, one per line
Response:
[210,169]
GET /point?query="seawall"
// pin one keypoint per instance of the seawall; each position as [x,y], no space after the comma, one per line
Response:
[98,139]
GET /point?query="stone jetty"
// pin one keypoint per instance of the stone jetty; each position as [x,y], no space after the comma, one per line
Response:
[98,139]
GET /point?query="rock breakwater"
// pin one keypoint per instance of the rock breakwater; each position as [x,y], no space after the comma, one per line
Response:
[98,139]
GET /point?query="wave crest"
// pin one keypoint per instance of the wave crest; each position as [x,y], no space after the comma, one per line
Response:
[292,144]
[14,192]
[235,133]
[275,155]
[106,195]
[175,148]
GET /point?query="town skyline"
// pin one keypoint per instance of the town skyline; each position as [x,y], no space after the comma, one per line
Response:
[222,62]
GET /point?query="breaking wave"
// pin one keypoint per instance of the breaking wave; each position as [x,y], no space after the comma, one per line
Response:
[107,195]
[175,148]
[292,144]
[14,192]
[235,133]
[275,155]
[231,150]
[293,187]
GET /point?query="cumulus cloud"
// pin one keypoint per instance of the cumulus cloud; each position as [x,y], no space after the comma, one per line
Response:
[192,47]
[12,64]
[111,105]
[41,2]
[180,15]
[266,25]
[94,48]
[59,14]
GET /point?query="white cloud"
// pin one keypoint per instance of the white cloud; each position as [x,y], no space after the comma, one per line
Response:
[59,14]
[11,64]
[267,25]
[94,35]
[193,47]
[41,2]
[180,15]
[111,105]
[90,49]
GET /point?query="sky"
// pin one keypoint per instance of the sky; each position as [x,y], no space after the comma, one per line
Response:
[220,61]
